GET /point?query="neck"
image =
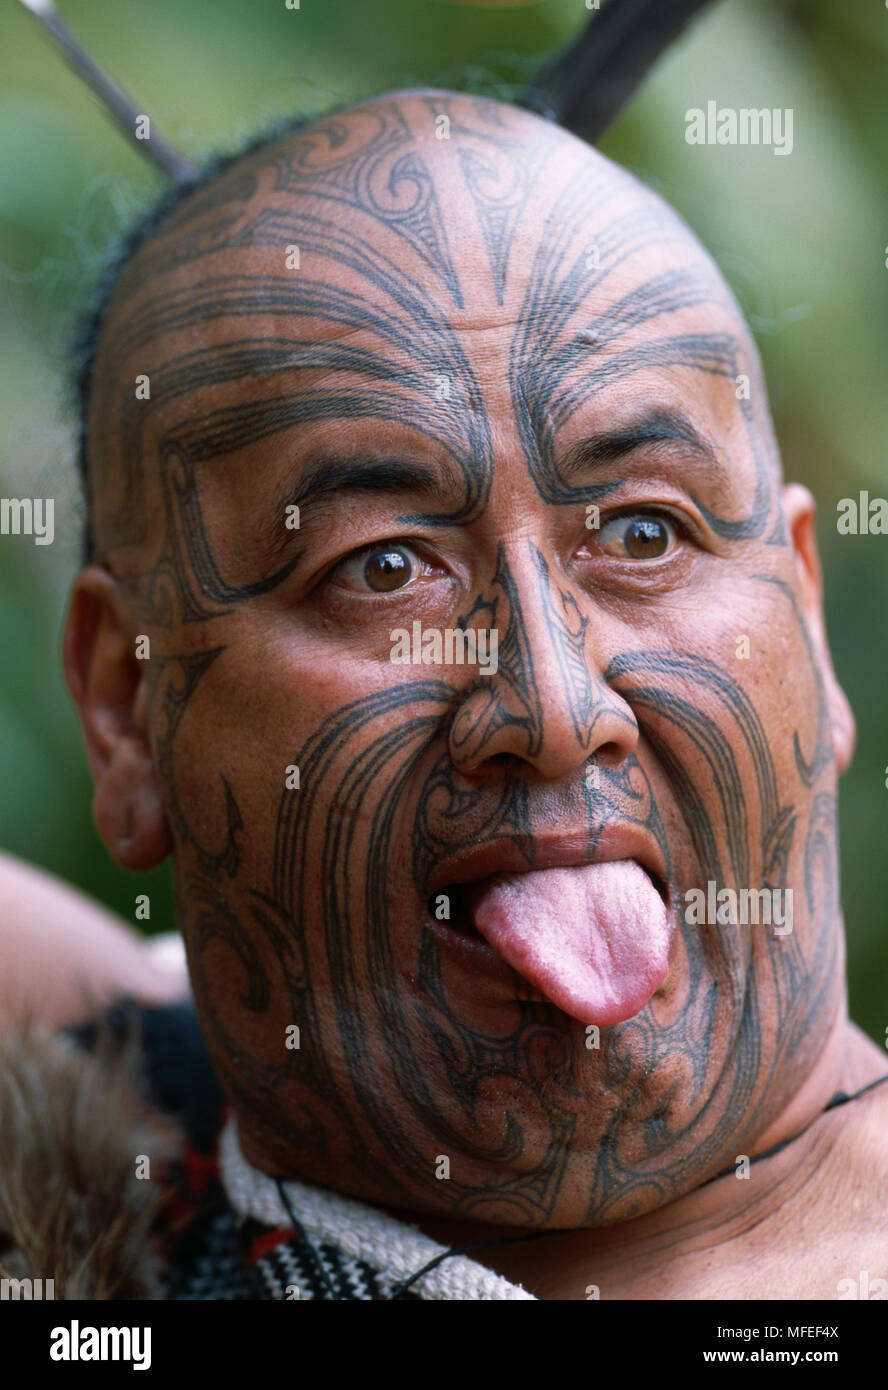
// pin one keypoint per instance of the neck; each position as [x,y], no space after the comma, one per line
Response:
[716,1218]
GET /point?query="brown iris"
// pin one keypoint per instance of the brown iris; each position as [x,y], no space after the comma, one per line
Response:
[386,569]
[645,538]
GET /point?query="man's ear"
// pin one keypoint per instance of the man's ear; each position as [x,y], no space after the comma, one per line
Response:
[800,511]
[109,686]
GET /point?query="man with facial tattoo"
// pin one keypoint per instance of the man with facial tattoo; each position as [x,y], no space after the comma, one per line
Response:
[432,360]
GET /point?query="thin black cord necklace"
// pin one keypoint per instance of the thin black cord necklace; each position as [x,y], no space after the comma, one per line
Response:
[840,1098]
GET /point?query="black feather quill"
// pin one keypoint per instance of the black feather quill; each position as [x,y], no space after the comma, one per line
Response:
[585,86]
[122,107]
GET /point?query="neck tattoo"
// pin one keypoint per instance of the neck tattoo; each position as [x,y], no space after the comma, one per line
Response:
[840,1098]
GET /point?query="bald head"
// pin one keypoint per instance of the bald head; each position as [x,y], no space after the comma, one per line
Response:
[395,263]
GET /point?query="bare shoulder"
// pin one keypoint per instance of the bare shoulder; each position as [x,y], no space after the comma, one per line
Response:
[827,1238]
[866,1150]
[853,1215]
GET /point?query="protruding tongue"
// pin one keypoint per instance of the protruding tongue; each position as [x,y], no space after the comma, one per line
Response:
[594,939]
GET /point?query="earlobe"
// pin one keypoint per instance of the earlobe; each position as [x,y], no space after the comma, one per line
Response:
[108,685]
[800,511]
[129,814]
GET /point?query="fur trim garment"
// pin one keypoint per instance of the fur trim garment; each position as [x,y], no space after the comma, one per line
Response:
[115,1186]
[73,1137]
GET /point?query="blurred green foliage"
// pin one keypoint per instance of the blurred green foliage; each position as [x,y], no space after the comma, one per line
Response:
[801,239]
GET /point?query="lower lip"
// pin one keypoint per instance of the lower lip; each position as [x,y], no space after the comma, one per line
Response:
[474,956]
[472,952]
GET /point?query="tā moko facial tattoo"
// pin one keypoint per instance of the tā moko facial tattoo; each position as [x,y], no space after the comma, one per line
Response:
[480,341]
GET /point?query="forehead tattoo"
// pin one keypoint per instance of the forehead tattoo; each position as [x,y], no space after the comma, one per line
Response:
[378,305]
[379,323]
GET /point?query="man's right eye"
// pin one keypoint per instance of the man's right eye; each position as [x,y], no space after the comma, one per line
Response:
[380,568]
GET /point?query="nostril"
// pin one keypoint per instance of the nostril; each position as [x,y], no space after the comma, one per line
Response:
[510,762]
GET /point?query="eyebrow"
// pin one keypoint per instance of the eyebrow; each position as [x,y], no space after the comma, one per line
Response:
[326,481]
[328,476]
[655,427]
[388,475]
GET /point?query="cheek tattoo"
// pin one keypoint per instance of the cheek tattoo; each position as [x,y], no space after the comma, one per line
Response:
[321,914]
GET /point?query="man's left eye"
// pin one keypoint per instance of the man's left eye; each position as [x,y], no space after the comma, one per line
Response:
[639,536]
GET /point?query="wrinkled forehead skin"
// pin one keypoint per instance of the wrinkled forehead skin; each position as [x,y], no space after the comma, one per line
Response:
[509,311]
[508,271]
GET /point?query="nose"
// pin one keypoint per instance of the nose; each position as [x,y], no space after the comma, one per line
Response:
[547,703]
